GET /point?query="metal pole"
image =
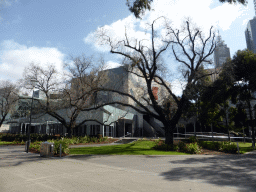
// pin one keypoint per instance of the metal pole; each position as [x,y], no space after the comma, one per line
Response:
[124,128]
[212,131]
[194,128]
[243,134]
[185,133]
[28,142]
[60,150]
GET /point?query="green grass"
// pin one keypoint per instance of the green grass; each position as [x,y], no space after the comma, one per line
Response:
[243,147]
[136,148]
[5,143]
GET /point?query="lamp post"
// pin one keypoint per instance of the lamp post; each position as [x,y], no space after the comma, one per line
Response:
[28,142]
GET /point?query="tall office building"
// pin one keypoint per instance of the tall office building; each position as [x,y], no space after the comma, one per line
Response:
[250,34]
[221,53]
[254,1]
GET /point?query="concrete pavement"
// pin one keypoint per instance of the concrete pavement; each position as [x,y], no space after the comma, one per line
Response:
[29,172]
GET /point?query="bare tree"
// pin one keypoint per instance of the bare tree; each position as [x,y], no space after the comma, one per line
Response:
[68,94]
[8,99]
[189,48]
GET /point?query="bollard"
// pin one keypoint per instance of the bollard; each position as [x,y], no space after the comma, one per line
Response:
[60,150]
[237,147]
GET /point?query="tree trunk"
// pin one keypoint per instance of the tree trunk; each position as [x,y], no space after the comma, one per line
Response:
[252,124]
[2,120]
[169,129]
[69,132]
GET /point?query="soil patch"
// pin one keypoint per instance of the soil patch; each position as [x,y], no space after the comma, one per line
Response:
[211,152]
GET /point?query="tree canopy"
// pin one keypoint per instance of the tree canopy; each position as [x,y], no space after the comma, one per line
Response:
[138,7]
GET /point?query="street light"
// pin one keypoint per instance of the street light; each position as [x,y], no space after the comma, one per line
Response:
[33,81]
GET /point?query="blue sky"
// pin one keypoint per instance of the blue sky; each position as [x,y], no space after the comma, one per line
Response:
[49,31]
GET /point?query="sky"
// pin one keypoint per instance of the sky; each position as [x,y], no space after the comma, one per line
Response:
[49,32]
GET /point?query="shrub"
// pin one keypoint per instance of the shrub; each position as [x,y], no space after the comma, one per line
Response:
[68,140]
[36,145]
[105,138]
[182,146]
[64,146]
[75,140]
[210,145]
[192,139]
[157,141]
[165,147]
[219,146]
[8,137]
[193,148]
[100,139]
[228,147]
[83,139]
[93,139]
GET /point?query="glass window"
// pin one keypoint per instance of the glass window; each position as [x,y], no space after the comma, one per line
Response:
[105,130]
[111,131]
[98,129]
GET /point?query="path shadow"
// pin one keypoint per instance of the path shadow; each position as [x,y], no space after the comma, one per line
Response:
[230,170]
[12,155]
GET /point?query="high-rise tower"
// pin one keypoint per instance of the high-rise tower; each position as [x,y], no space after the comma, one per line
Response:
[250,34]
[221,53]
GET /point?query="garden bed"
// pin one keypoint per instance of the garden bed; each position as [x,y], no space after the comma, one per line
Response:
[102,142]
[211,152]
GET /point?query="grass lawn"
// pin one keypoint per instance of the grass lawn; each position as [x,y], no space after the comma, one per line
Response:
[136,148]
[5,143]
[243,147]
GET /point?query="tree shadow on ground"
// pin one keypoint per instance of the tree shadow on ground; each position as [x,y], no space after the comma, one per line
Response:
[15,155]
[231,170]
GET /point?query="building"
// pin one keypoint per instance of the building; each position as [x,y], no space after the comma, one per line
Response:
[221,53]
[250,34]
[118,120]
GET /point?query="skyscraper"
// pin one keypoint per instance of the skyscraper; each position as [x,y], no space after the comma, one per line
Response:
[250,34]
[221,53]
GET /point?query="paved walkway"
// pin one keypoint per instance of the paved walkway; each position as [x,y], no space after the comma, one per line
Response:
[29,172]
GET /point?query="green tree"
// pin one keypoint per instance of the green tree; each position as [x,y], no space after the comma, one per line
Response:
[236,82]
[244,64]
[215,97]
[138,7]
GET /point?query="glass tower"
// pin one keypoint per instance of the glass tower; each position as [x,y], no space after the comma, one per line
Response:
[221,53]
[250,34]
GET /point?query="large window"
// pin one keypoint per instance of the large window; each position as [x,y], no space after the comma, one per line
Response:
[108,131]
[94,129]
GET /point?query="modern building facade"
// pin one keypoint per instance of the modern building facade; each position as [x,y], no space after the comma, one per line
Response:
[116,120]
[221,53]
[250,34]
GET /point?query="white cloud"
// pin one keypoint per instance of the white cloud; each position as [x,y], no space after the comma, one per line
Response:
[15,57]
[111,64]
[221,16]
[245,21]
[177,87]
[199,10]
